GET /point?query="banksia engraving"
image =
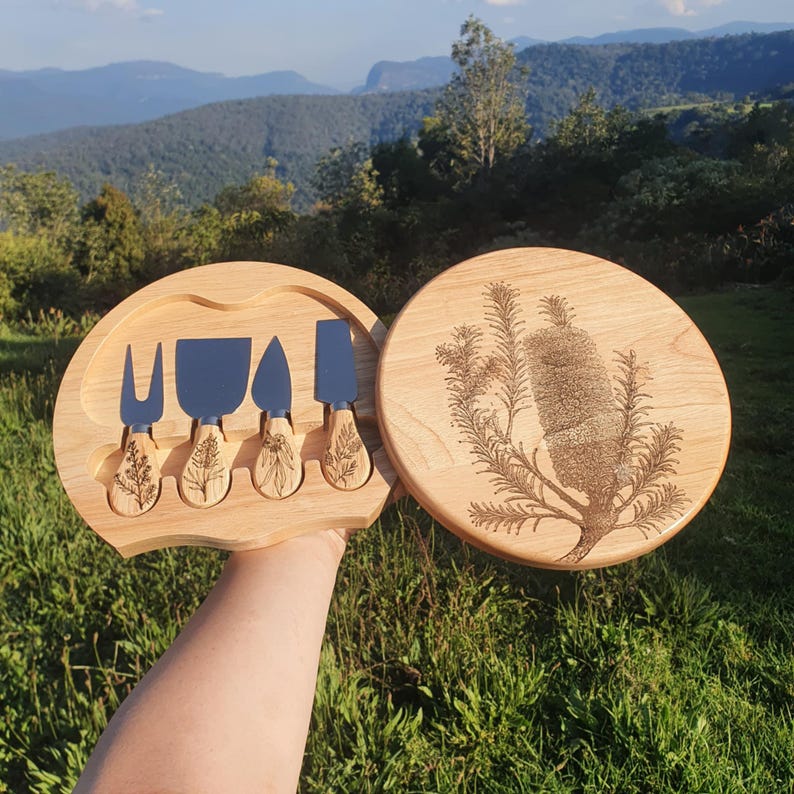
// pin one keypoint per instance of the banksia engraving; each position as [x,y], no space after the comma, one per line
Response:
[611,464]
[574,399]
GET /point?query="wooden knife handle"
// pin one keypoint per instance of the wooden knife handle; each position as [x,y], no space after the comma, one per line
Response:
[278,470]
[346,464]
[206,477]
[136,484]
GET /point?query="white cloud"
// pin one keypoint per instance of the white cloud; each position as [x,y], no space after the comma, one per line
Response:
[504,2]
[125,6]
[678,8]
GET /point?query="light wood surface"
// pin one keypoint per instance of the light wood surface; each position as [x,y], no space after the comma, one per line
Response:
[345,462]
[233,299]
[206,475]
[552,408]
[278,472]
[136,483]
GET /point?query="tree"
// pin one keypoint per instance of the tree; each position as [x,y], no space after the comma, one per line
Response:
[111,250]
[335,172]
[38,226]
[37,203]
[163,220]
[483,108]
[254,213]
[589,128]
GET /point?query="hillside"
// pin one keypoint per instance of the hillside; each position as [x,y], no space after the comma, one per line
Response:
[429,72]
[663,35]
[209,147]
[205,149]
[651,75]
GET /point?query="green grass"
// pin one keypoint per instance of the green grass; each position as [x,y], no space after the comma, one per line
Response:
[444,669]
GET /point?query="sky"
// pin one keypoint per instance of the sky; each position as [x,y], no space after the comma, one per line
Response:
[333,42]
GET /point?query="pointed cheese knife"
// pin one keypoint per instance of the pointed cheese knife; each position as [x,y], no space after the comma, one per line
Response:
[278,468]
[345,462]
[136,484]
[211,380]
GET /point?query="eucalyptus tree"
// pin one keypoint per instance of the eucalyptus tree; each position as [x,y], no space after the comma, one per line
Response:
[481,116]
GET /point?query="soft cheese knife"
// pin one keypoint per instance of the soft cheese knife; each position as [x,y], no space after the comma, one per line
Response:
[211,380]
[278,468]
[136,484]
[345,463]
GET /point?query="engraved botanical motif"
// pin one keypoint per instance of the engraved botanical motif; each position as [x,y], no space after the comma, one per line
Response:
[278,460]
[341,460]
[205,466]
[137,478]
[611,465]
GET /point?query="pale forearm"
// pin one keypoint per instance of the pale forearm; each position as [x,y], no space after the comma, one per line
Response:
[227,707]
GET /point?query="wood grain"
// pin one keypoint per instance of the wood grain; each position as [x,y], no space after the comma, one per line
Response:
[136,483]
[345,462]
[232,299]
[552,408]
[278,471]
[206,475]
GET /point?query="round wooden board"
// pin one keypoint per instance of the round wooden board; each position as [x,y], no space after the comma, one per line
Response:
[232,299]
[552,408]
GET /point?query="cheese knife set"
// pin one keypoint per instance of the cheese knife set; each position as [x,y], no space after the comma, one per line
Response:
[545,405]
[212,377]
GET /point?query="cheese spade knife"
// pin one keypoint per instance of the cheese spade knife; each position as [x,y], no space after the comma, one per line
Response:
[136,484]
[278,468]
[345,463]
[211,380]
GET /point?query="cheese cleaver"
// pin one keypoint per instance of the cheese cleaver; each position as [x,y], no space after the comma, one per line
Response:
[345,463]
[278,469]
[211,381]
[136,484]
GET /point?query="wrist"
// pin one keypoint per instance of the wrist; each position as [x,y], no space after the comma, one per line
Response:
[324,548]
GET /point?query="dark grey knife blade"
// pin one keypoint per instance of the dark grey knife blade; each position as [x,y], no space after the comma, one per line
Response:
[272,386]
[335,371]
[142,413]
[212,376]
[345,463]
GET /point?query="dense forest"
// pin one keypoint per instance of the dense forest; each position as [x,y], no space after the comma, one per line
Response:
[205,149]
[712,207]
[690,200]
[658,75]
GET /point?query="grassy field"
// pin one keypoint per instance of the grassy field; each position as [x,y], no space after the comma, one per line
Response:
[446,670]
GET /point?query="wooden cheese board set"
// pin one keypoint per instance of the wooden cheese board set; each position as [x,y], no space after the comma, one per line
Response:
[545,405]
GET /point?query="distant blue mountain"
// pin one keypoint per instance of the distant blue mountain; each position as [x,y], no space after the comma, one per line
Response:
[407,75]
[45,100]
[431,72]
[522,42]
[664,35]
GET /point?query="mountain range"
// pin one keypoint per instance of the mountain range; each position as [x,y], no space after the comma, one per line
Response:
[204,149]
[45,100]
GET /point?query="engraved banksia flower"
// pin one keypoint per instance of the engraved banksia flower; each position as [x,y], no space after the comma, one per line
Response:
[574,400]
[598,438]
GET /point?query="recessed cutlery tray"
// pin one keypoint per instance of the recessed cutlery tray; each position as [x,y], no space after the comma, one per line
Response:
[229,439]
